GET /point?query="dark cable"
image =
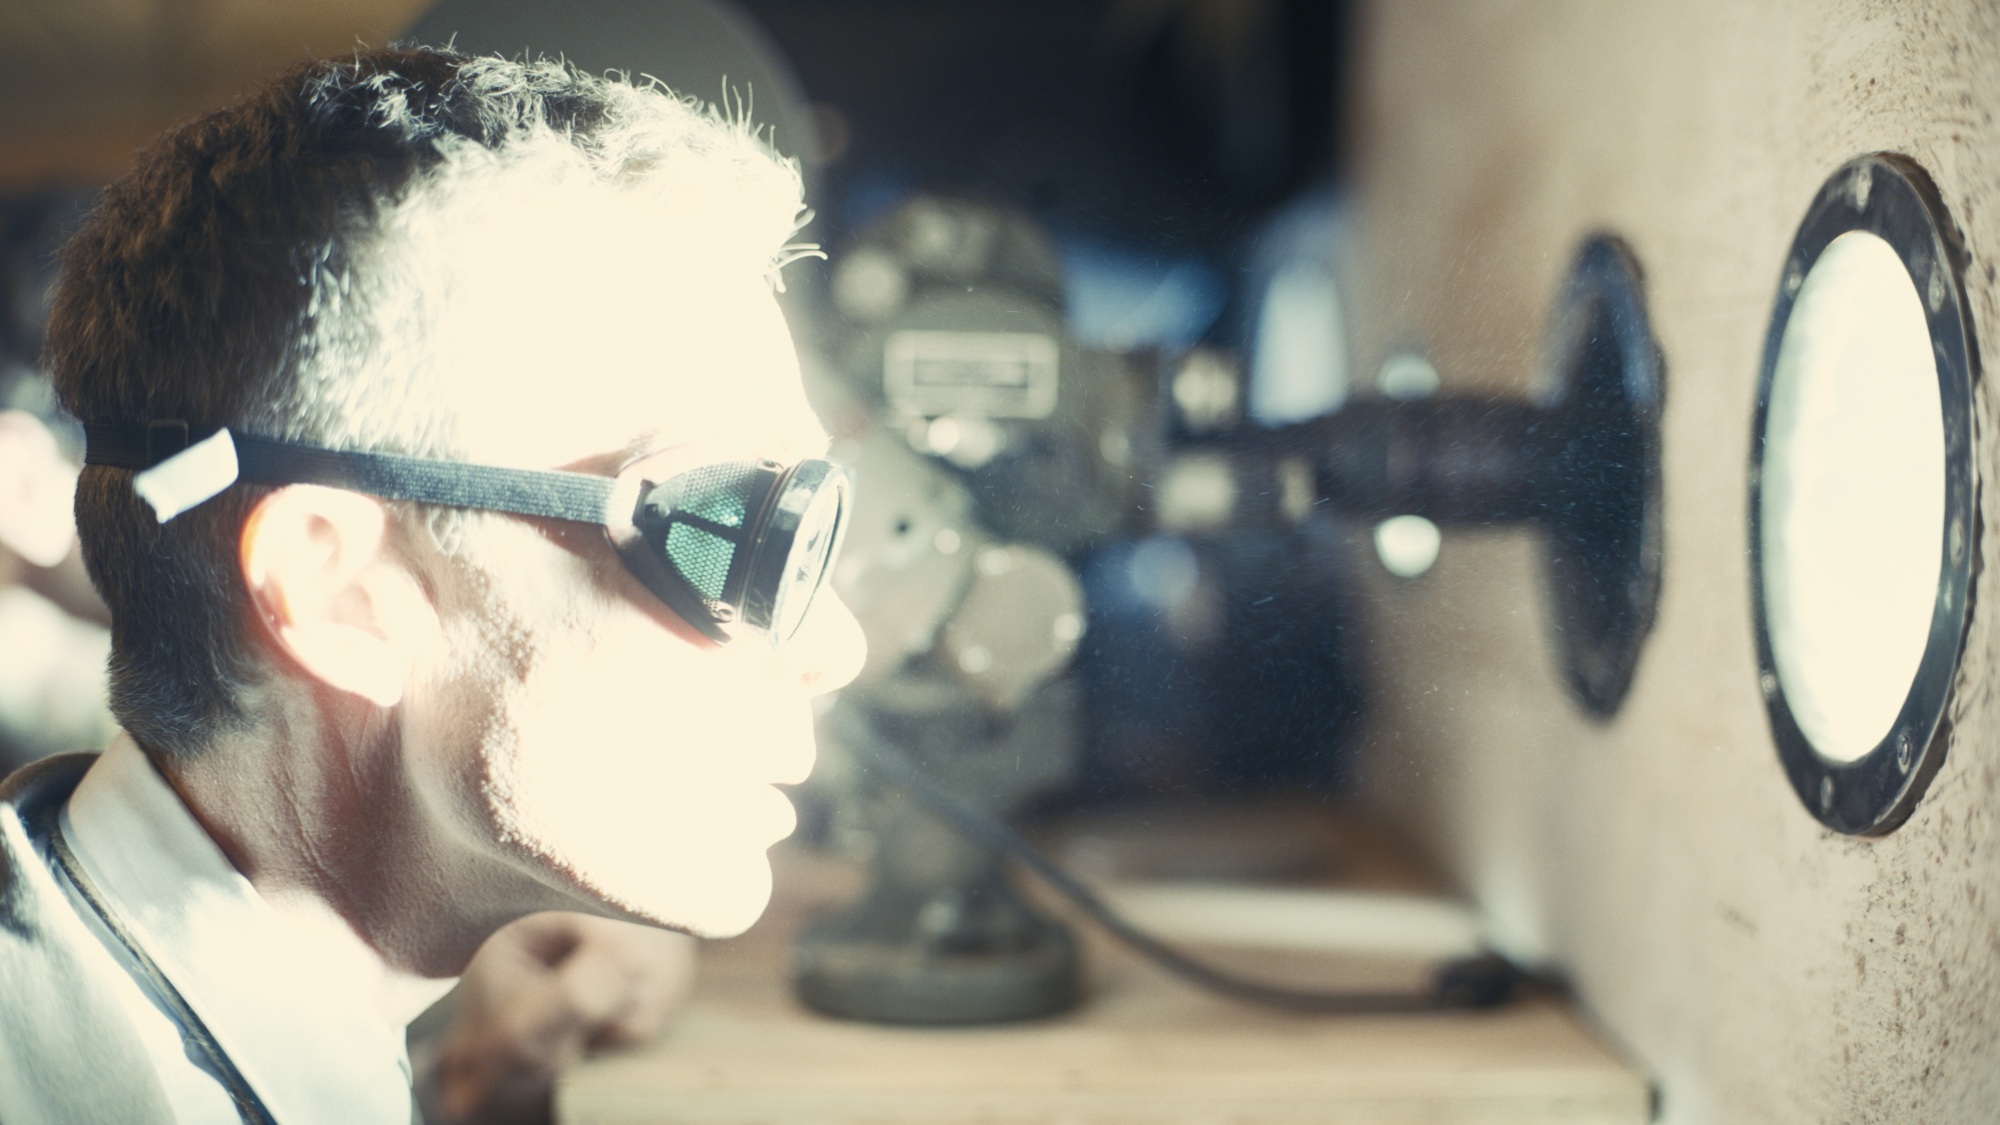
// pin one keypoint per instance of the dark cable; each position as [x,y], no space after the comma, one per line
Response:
[1475,982]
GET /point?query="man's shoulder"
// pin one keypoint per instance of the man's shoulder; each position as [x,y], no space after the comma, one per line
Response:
[66,1048]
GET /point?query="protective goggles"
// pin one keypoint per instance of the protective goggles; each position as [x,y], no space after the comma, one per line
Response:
[732,547]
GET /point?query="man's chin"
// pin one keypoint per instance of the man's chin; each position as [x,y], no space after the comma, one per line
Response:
[715,900]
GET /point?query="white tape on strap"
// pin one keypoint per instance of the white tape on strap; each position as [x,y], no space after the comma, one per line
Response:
[189,477]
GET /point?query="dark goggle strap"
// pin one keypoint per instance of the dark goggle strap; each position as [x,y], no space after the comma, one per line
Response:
[728,547]
[177,473]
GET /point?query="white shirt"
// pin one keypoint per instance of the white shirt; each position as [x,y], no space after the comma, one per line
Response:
[284,992]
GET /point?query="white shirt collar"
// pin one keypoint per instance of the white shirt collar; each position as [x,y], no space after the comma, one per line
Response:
[285,992]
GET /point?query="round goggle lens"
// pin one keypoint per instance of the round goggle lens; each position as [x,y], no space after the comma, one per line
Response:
[810,559]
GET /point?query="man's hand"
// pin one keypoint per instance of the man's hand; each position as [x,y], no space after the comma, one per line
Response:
[543,993]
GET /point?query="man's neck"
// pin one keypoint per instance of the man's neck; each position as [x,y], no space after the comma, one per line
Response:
[313,804]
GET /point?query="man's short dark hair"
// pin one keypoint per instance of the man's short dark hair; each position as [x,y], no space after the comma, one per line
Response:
[251,272]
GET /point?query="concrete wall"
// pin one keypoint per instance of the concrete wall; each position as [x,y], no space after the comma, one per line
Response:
[1758,966]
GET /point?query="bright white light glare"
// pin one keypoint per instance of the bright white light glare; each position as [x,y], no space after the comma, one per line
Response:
[1407,545]
[1207,389]
[1853,496]
[1300,369]
[529,368]
[1407,376]
[36,520]
[968,442]
[1197,492]
[642,766]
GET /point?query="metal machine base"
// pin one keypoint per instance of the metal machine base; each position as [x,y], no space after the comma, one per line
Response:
[964,955]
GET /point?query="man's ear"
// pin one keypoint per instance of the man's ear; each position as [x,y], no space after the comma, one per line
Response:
[333,592]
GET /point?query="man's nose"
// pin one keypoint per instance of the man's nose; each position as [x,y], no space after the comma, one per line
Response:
[828,650]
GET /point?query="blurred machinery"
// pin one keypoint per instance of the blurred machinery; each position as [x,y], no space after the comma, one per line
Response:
[995,445]
[999,443]
[1580,462]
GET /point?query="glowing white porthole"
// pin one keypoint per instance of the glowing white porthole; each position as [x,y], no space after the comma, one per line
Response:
[1853,500]
[1862,505]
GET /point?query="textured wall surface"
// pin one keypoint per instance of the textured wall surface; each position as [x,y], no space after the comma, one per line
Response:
[1761,968]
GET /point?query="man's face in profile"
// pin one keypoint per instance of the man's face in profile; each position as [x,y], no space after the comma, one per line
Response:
[567,714]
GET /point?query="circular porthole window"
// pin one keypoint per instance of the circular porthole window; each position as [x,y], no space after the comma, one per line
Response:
[1862,497]
[1603,387]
